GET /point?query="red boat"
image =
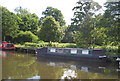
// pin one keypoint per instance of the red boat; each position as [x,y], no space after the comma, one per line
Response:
[7,46]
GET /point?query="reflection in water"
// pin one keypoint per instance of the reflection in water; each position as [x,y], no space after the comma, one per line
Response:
[73,67]
[69,74]
[35,77]
[26,66]
[85,69]
[18,66]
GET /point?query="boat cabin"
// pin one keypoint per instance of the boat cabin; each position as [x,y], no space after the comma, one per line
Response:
[6,45]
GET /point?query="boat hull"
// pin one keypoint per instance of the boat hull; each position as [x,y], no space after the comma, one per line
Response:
[7,49]
[45,53]
[78,58]
[5,46]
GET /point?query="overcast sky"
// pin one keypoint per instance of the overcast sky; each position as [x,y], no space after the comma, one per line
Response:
[37,6]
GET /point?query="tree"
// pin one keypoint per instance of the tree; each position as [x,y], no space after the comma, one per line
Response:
[50,30]
[99,35]
[83,20]
[55,13]
[22,11]
[68,37]
[111,15]
[29,22]
[9,23]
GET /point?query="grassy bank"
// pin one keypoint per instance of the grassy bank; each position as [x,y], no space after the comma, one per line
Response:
[47,44]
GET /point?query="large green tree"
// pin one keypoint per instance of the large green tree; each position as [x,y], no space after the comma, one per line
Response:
[68,37]
[9,23]
[112,16]
[99,33]
[57,14]
[29,22]
[50,30]
[83,20]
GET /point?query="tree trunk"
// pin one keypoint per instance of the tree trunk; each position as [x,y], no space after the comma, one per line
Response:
[4,38]
[86,44]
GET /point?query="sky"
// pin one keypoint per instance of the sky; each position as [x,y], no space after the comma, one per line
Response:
[38,6]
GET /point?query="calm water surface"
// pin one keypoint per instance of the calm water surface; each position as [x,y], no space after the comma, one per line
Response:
[28,66]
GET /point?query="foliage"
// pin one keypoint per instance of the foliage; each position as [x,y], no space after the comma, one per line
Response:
[58,16]
[112,16]
[99,36]
[29,22]
[84,10]
[26,36]
[68,37]
[34,45]
[50,30]
[84,22]
[21,10]
[9,23]
[78,38]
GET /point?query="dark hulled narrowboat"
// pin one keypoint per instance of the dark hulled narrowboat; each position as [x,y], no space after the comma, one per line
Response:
[73,53]
[7,46]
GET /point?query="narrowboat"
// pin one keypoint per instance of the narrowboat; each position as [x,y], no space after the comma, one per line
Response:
[7,46]
[73,53]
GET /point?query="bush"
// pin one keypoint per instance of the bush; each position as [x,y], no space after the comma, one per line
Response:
[53,44]
[112,50]
[27,36]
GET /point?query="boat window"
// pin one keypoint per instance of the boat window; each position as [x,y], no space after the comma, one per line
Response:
[66,51]
[59,50]
[9,45]
[79,51]
[73,51]
[52,50]
[5,45]
[85,51]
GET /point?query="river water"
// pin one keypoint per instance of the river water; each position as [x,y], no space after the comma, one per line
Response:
[28,66]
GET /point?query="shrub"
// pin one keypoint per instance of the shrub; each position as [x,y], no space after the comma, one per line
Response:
[27,36]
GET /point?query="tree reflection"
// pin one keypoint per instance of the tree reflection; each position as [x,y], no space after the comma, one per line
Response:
[48,72]
[18,67]
[69,74]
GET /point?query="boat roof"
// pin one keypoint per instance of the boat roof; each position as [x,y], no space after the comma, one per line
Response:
[4,42]
[72,48]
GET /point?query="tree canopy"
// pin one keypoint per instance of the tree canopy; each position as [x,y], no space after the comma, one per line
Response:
[10,25]
[50,30]
[111,15]
[29,21]
[57,14]
[83,20]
